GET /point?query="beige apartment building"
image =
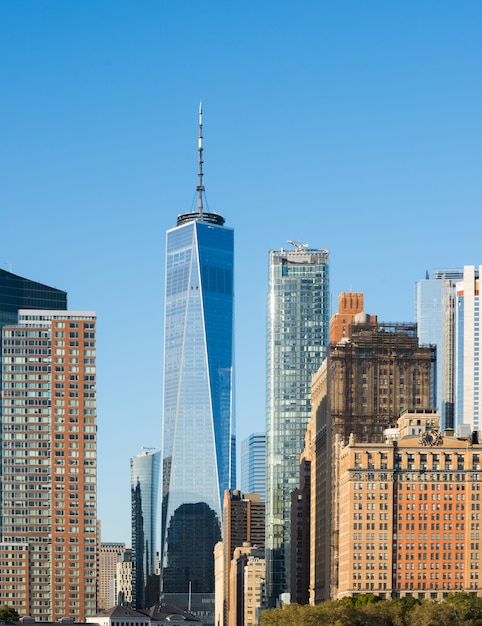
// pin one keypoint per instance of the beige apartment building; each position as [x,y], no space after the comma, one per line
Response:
[123,580]
[409,512]
[110,554]
[247,574]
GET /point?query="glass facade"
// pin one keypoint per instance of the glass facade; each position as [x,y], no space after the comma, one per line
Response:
[435,317]
[145,468]
[467,351]
[253,464]
[21,293]
[459,359]
[198,456]
[298,335]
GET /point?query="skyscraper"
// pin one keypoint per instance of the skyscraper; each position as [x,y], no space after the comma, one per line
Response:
[198,455]
[435,317]
[298,326]
[467,351]
[17,293]
[48,452]
[144,497]
[360,389]
[253,464]
[447,310]
[300,528]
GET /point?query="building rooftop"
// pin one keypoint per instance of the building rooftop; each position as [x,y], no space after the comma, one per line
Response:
[195,216]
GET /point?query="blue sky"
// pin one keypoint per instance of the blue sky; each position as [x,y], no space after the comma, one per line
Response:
[353,126]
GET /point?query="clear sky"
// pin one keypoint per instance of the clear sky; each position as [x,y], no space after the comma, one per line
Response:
[349,125]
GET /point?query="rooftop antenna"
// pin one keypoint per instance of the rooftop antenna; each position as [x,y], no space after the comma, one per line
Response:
[200,187]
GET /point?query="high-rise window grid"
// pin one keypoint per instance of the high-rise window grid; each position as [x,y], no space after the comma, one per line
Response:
[298,333]
[49,461]
[198,456]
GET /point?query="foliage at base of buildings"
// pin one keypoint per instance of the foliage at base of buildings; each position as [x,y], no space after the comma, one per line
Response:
[369,610]
[7,614]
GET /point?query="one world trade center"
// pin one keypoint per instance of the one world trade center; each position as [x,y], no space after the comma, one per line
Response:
[198,448]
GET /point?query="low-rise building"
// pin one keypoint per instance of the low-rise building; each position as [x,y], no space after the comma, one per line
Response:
[156,615]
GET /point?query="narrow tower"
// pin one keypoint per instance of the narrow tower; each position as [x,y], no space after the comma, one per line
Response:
[198,455]
[144,499]
[435,313]
[467,352]
[298,327]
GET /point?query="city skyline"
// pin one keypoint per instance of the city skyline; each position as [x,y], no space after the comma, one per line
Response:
[353,128]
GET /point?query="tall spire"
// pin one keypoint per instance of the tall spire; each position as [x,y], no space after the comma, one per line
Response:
[200,187]
[200,215]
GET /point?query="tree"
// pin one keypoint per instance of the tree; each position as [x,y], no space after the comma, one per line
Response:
[384,613]
[336,613]
[466,606]
[7,614]
[435,614]
[458,609]
[366,598]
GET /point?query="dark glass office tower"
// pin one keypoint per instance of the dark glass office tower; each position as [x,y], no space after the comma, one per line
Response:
[145,469]
[21,293]
[198,456]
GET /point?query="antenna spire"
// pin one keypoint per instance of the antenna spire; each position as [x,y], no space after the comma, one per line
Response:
[200,187]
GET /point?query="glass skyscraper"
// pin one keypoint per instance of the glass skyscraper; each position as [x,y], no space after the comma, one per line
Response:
[198,454]
[198,445]
[198,461]
[298,335]
[435,317]
[145,469]
[467,352]
[253,464]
